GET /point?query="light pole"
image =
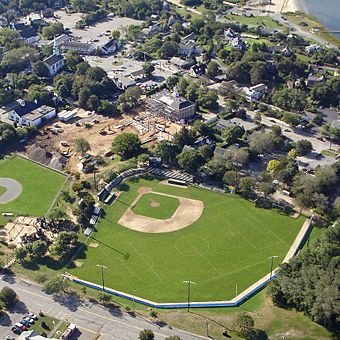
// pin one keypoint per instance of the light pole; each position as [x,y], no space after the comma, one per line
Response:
[189,284]
[102,267]
[271,266]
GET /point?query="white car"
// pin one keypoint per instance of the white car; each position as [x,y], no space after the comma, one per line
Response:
[32,316]
[28,319]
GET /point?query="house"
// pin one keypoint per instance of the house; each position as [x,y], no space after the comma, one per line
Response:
[204,140]
[190,37]
[187,49]
[229,34]
[28,34]
[35,19]
[255,92]
[170,106]
[31,113]
[223,124]
[55,62]
[280,49]
[79,47]
[181,63]
[314,79]
[238,43]
[123,82]
[312,48]
[111,46]
[151,30]
[198,70]
[219,152]
[172,20]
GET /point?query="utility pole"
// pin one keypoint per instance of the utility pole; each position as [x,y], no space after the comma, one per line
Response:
[189,284]
[102,267]
[271,266]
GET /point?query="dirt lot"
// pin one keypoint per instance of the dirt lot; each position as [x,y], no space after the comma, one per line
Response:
[99,131]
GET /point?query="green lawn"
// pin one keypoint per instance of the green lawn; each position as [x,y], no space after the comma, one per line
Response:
[40,185]
[230,244]
[51,323]
[254,21]
[167,206]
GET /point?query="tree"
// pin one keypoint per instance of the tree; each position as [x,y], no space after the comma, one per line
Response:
[303,147]
[146,334]
[52,29]
[261,142]
[273,166]
[207,99]
[190,160]
[39,69]
[230,177]
[246,186]
[115,34]
[39,249]
[290,99]
[182,86]
[129,99]
[38,93]
[148,68]
[165,150]
[267,188]
[64,244]
[173,337]
[213,69]
[243,325]
[171,82]
[183,137]
[126,145]
[257,118]
[55,286]
[309,281]
[8,296]
[20,253]
[168,49]
[232,133]
[82,145]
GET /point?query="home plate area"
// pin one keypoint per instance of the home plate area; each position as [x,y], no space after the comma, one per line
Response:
[174,212]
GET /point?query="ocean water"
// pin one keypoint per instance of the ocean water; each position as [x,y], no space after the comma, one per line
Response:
[326,11]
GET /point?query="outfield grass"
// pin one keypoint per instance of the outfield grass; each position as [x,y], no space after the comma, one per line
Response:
[2,190]
[167,206]
[39,184]
[230,244]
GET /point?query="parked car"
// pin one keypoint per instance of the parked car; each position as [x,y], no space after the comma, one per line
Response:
[25,323]
[16,330]
[9,337]
[32,316]
[30,320]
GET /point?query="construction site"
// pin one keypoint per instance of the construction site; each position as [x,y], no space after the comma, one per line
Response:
[55,144]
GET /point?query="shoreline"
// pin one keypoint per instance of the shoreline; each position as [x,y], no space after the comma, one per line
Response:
[283,6]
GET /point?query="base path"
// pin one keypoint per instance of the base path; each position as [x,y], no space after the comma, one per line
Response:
[188,212]
[13,190]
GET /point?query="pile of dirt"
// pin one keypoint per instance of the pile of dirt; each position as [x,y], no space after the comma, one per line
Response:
[43,156]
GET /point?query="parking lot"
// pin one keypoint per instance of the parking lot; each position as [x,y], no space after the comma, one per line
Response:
[93,32]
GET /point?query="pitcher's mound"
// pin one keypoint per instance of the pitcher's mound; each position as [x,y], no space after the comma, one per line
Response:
[155,204]
[187,213]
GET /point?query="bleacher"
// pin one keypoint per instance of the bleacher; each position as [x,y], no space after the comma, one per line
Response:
[173,174]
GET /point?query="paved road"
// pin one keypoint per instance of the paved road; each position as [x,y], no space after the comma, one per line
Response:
[91,319]
[13,190]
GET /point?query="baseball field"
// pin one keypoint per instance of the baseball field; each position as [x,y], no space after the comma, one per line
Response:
[224,249]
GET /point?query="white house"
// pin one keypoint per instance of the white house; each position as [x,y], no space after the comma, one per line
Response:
[55,62]
[28,34]
[79,47]
[31,113]
[238,44]
[255,92]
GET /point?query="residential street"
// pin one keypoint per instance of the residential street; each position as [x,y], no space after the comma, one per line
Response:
[92,320]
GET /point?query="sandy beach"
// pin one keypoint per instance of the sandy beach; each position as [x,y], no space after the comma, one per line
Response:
[283,6]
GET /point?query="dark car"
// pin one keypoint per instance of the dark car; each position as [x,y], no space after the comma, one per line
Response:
[16,330]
